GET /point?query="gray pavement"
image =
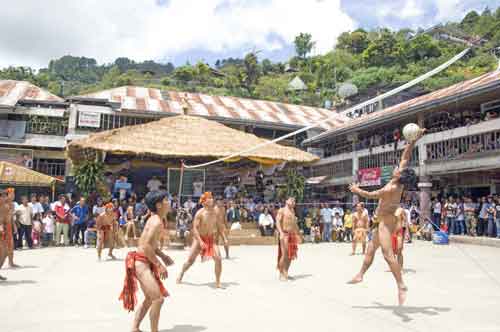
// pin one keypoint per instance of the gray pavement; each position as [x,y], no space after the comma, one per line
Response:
[451,288]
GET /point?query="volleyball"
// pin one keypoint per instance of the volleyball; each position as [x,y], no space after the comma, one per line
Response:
[411,131]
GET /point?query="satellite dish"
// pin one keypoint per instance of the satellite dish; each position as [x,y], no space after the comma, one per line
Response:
[347,90]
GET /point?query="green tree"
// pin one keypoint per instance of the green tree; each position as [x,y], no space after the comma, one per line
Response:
[383,51]
[354,42]
[251,71]
[303,44]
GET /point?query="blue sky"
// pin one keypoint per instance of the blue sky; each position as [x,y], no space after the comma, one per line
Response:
[190,30]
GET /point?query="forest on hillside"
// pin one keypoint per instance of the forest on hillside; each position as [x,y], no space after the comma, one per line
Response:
[371,61]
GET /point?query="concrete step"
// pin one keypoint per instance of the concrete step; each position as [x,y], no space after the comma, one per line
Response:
[477,240]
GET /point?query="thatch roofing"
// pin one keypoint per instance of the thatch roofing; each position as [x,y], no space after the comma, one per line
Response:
[13,174]
[184,137]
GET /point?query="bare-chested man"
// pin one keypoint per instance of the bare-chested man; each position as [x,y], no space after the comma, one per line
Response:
[144,265]
[206,229]
[288,230]
[220,210]
[389,198]
[360,227]
[11,228]
[4,219]
[106,227]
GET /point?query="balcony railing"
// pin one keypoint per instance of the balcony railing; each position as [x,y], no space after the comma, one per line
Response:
[389,158]
[55,169]
[464,147]
[47,128]
[337,169]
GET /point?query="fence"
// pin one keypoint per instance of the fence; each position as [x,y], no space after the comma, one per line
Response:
[464,147]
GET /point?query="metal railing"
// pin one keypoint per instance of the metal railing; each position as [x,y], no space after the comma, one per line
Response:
[338,169]
[57,128]
[56,169]
[389,158]
[464,147]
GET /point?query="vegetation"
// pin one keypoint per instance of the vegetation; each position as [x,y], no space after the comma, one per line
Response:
[88,176]
[374,61]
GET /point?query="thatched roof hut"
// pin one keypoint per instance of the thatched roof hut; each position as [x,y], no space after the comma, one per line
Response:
[12,174]
[183,137]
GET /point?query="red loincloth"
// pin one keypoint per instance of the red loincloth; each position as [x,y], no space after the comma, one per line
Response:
[293,246]
[394,240]
[9,237]
[128,294]
[106,229]
[209,251]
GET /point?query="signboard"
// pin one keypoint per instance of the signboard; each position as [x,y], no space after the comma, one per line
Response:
[369,177]
[318,152]
[386,174]
[89,119]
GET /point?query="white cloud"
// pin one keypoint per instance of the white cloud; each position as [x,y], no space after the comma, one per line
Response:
[34,32]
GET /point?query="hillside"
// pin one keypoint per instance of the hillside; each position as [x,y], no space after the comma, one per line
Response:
[373,61]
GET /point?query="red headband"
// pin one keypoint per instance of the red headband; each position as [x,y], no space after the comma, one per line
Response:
[207,195]
[109,206]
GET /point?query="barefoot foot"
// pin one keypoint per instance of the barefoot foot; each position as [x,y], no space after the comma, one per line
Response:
[2,278]
[402,293]
[179,279]
[356,280]
[112,256]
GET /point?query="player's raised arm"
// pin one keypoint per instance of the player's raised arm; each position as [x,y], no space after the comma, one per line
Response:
[355,189]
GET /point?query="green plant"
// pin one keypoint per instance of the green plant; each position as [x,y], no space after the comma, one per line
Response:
[88,175]
[294,187]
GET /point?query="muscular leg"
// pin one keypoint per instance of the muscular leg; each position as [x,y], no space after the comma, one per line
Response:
[368,260]
[194,252]
[111,247]
[226,247]
[100,243]
[354,243]
[154,298]
[284,263]
[218,266]
[364,245]
[385,230]
[3,255]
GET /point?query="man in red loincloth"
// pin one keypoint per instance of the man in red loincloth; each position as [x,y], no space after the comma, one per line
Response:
[143,265]
[106,225]
[205,231]
[288,230]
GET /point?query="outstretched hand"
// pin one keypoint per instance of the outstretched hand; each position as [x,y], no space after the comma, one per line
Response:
[354,188]
[421,133]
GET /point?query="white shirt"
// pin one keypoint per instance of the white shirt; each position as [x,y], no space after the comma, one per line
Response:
[408,216]
[266,220]
[97,210]
[48,223]
[437,208]
[338,222]
[36,207]
[230,192]
[189,205]
[154,184]
[339,210]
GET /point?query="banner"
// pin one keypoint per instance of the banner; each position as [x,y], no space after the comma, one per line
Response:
[369,177]
[89,119]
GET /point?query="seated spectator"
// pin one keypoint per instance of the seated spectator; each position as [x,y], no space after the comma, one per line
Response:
[183,225]
[233,214]
[48,228]
[348,225]
[266,223]
[338,228]
[90,235]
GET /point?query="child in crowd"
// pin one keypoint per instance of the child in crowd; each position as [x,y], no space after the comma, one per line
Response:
[90,235]
[315,233]
[48,228]
[130,228]
[36,233]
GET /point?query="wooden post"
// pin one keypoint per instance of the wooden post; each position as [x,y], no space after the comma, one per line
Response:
[180,180]
[53,191]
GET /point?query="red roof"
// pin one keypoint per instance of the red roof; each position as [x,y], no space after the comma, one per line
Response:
[11,92]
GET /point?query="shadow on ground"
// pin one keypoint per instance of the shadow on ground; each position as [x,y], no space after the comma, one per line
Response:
[405,312]
[224,285]
[299,276]
[16,282]
[185,328]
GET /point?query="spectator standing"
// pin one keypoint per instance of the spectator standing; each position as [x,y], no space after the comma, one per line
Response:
[470,217]
[189,205]
[338,209]
[436,213]
[460,221]
[48,228]
[483,217]
[90,234]
[497,215]
[230,191]
[44,201]
[266,223]
[24,217]
[80,213]
[63,220]
[338,227]
[36,207]
[154,184]
[348,225]
[326,222]
[451,212]
[491,209]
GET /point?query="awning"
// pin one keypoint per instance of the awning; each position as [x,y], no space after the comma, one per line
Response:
[316,179]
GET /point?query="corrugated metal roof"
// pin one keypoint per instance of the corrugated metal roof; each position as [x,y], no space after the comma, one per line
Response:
[456,89]
[11,92]
[153,100]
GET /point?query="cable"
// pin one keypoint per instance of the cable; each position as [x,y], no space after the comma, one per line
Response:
[358,106]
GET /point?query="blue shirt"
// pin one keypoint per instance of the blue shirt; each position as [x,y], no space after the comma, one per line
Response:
[326,215]
[81,213]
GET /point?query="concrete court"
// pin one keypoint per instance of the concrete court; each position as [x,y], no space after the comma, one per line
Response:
[451,288]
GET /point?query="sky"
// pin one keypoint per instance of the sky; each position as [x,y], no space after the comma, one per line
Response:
[33,32]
